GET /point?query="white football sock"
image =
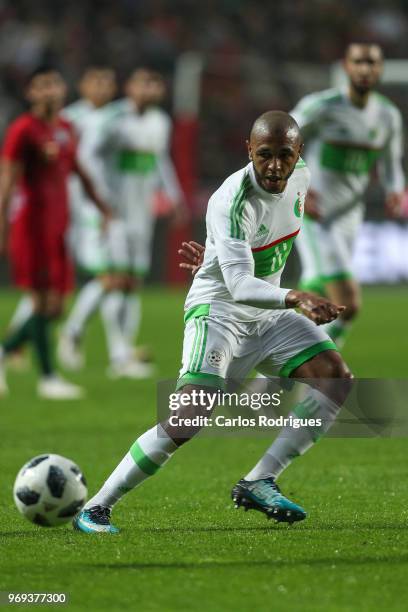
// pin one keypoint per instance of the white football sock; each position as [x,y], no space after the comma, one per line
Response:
[152,450]
[22,313]
[86,303]
[112,315]
[292,442]
[132,314]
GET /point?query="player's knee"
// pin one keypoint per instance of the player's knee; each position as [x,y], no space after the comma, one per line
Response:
[328,364]
[333,366]
[329,374]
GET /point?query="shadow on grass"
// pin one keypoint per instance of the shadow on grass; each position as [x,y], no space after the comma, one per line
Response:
[273,563]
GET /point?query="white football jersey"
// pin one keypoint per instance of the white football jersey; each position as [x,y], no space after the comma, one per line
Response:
[90,124]
[344,142]
[136,154]
[240,211]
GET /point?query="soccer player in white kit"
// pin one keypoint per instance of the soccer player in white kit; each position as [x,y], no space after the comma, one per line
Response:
[135,153]
[239,318]
[346,132]
[90,115]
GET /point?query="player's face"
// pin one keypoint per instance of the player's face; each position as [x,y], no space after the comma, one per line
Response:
[363,65]
[145,88]
[274,159]
[47,90]
[98,86]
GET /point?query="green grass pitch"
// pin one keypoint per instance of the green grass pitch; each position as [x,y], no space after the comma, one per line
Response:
[183,546]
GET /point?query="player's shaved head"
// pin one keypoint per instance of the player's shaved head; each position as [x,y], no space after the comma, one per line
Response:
[274,146]
[275,125]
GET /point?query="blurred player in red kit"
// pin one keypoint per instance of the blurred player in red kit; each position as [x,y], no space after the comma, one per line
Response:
[39,153]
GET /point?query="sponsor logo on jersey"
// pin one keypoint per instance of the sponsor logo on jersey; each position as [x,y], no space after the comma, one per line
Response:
[262,230]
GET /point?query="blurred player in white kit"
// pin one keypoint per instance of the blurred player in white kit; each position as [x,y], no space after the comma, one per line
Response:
[346,132]
[127,143]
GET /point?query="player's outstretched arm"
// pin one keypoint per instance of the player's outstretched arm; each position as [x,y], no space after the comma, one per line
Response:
[193,253]
[316,308]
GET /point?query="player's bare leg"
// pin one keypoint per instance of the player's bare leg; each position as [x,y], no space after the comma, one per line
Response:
[348,293]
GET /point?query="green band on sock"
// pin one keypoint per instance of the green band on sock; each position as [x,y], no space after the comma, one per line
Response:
[146,465]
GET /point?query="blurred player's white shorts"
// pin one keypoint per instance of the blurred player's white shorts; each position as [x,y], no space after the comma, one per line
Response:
[326,251]
[87,242]
[216,348]
[129,247]
[118,248]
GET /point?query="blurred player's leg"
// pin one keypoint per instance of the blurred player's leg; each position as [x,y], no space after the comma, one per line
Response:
[112,312]
[87,302]
[120,308]
[36,331]
[347,293]
[23,311]
[132,314]
[326,256]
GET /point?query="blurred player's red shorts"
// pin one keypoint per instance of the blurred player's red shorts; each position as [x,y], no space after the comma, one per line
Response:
[40,262]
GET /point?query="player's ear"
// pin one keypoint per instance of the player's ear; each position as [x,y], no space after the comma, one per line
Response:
[249,149]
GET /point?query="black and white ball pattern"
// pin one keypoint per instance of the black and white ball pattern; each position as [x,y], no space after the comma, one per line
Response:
[49,490]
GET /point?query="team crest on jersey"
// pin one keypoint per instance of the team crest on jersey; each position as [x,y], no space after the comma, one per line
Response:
[298,209]
[216,358]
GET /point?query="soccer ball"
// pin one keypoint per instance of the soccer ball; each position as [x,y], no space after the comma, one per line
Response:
[49,490]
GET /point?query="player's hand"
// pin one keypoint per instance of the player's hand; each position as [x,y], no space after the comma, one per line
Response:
[393,205]
[316,308]
[193,253]
[312,205]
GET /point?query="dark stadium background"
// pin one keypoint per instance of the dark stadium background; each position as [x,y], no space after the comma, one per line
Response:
[256,56]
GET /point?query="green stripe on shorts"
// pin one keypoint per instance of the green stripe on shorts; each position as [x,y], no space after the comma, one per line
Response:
[202,310]
[297,360]
[201,379]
